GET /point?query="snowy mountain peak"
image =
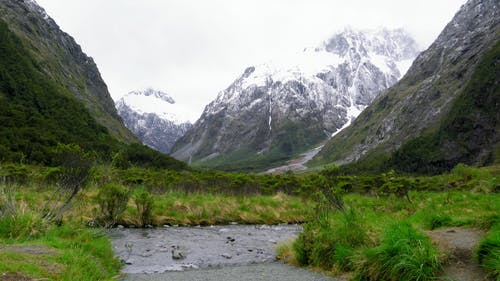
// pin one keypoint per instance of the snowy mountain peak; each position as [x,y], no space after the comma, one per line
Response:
[157,102]
[154,117]
[358,52]
[154,93]
[291,103]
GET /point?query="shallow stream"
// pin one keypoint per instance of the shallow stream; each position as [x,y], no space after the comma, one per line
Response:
[155,250]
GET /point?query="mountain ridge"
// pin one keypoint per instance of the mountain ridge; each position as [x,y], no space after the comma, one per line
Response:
[63,60]
[418,103]
[153,117]
[279,109]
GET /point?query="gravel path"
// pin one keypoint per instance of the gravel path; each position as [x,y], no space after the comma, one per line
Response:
[255,272]
[459,244]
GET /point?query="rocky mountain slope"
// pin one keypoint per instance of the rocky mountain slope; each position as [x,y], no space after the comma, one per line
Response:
[276,110]
[447,104]
[60,57]
[153,117]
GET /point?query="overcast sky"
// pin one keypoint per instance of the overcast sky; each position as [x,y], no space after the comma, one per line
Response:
[193,49]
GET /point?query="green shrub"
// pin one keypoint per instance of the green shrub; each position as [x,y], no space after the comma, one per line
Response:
[144,204]
[488,253]
[331,241]
[112,200]
[404,254]
[22,227]
[437,220]
[11,173]
[304,244]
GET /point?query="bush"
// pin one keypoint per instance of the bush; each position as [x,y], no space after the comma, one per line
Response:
[144,204]
[436,220]
[304,244]
[10,173]
[22,226]
[488,253]
[405,254]
[112,200]
[331,241]
[74,174]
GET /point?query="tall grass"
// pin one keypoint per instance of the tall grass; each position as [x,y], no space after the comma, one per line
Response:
[70,251]
[331,241]
[404,254]
[488,253]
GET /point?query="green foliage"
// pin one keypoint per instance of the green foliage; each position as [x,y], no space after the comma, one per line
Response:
[404,254]
[85,253]
[36,114]
[74,174]
[331,241]
[304,244]
[11,173]
[144,203]
[112,200]
[488,253]
[466,132]
[437,220]
[143,156]
[21,226]
[399,186]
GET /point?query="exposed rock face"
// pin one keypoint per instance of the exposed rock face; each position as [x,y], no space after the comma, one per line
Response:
[423,98]
[63,60]
[153,117]
[274,110]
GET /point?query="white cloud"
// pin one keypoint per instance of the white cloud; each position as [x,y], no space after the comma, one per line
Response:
[194,48]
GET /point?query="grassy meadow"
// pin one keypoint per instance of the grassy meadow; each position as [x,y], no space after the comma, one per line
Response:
[361,227]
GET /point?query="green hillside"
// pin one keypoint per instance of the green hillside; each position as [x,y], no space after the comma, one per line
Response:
[35,113]
[467,134]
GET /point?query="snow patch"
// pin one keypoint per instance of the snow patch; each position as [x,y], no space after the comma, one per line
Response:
[156,102]
[404,65]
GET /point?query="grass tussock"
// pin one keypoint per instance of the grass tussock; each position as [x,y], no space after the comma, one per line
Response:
[404,254]
[488,253]
[331,241]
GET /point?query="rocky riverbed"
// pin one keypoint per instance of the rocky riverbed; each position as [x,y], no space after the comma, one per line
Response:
[159,250]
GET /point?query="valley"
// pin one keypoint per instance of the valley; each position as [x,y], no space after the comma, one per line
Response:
[364,157]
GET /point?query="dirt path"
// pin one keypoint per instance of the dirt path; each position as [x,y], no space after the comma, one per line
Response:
[459,244]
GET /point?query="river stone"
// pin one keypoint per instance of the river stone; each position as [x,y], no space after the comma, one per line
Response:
[178,253]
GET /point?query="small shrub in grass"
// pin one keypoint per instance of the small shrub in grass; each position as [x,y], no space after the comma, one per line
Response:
[331,241]
[304,244]
[22,226]
[487,221]
[285,252]
[405,254]
[436,220]
[144,203]
[488,253]
[112,200]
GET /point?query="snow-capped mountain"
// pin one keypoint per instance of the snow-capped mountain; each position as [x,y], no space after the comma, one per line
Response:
[440,114]
[154,117]
[288,105]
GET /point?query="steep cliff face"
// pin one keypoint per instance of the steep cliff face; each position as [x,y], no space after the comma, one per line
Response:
[62,59]
[154,117]
[422,101]
[275,110]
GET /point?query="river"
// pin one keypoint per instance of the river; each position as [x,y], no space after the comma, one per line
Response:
[232,252]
